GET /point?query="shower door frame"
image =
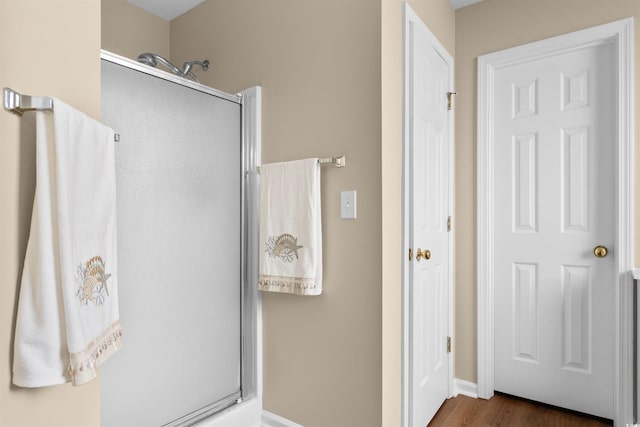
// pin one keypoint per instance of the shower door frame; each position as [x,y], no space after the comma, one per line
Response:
[246,409]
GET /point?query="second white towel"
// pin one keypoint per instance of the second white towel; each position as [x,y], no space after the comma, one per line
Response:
[290,228]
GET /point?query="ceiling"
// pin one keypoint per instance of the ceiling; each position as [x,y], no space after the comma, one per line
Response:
[457,4]
[170,9]
[166,9]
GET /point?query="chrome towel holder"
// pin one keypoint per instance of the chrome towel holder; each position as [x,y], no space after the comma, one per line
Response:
[18,103]
[339,162]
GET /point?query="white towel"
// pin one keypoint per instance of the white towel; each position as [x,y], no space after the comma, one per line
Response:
[290,228]
[67,323]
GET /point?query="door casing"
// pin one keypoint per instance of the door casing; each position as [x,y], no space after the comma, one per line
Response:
[620,33]
[411,18]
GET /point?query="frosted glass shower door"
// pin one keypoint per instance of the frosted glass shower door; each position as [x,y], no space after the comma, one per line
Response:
[179,242]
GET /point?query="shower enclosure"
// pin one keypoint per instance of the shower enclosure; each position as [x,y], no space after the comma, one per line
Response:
[187,215]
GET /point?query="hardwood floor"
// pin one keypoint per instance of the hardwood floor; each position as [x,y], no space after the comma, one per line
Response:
[508,411]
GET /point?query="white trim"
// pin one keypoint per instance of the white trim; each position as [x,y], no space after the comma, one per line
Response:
[406,217]
[245,414]
[452,233]
[269,419]
[621,34]
[485,190]
[466,388]
[623,349]
[410,19]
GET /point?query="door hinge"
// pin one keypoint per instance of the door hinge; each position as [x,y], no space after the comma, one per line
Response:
[449,223]
[449,95]
[448,344]
[410,254]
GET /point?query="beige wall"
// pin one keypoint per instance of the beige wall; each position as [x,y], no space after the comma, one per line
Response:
[129,31]
[332,78]
[46,48]
[483,28]
[319,65]
[440,19]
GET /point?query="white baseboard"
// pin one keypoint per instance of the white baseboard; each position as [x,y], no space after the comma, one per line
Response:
[466,388]
[269,419]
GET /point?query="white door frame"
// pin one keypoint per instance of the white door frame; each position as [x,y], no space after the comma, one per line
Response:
[411,19]
[620,33]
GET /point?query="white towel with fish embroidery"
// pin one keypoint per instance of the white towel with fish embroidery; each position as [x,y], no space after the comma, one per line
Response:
[290,228]
[67,323]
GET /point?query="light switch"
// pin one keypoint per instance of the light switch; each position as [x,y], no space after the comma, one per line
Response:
[348,205]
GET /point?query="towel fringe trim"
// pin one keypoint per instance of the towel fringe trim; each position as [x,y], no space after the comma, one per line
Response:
[83,365]
[290,285]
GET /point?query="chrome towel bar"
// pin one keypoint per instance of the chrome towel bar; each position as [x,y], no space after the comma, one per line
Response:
[339,162]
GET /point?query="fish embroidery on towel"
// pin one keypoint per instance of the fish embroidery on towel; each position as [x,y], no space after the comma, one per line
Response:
[91,282]
[284,247]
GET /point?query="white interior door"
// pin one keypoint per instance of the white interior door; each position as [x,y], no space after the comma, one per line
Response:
[554,203]
[429,146]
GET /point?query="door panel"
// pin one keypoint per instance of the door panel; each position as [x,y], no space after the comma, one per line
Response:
[525,312]
[554,200]
[525,175]
[576,333]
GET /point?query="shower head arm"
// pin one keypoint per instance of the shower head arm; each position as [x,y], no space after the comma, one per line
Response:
[186,67]
[191,75]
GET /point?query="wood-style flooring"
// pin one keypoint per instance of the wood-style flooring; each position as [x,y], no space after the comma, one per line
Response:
[507,411]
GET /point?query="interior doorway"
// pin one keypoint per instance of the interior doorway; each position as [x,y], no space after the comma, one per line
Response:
[578,279]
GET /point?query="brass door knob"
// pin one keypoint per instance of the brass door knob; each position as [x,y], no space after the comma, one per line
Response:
[426,254]
[600,251]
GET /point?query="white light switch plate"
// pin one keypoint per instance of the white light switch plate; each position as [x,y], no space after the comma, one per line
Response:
[348,205]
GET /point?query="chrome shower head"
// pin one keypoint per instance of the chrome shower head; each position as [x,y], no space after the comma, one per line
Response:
[148,59]
[152,59]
